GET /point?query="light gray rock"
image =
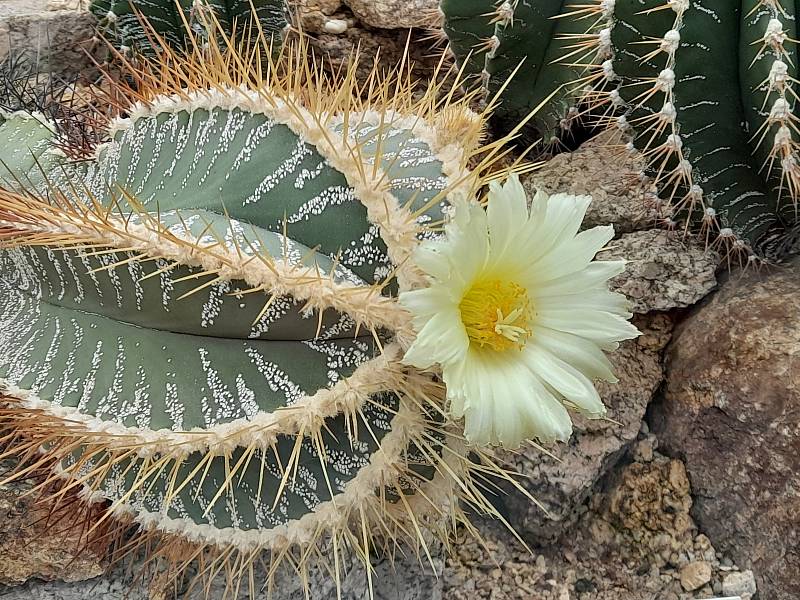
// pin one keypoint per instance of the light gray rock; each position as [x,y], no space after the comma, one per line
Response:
[663,272]
[739,584]
[55,39]
[563,483]
[604,169]
[396,14]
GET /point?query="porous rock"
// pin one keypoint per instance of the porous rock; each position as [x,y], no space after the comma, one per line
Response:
[563,482]
[396,14]
[663,272]
[56,37]
[603,169]
[732,410]
[30,547]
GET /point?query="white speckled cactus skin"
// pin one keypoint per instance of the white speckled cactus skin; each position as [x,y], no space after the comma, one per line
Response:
[199,326]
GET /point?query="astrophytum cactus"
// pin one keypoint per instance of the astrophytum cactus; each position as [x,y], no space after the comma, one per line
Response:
[199,332]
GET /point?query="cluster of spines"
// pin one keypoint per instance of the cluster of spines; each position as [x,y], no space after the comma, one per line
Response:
[660,85]
[144,26]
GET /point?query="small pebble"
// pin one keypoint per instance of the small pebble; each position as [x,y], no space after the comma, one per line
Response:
[739,584]
[335,26]
[695,575]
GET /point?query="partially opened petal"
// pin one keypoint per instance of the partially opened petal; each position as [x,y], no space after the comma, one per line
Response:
[442,340]
[564,379]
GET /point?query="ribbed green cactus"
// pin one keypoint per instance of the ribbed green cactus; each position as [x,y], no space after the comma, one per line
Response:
[707,88]
[704,88]
[199,326]
[529,49]
[134,25]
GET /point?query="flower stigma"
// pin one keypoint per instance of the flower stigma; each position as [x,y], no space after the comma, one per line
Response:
[497,314]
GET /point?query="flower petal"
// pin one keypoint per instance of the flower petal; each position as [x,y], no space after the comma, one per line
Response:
[602,328]
[502,402]
[569,256]
[595,275]
[564,379]
[507,214]
[442,340]
[581,353]
[425,303]
[598,299]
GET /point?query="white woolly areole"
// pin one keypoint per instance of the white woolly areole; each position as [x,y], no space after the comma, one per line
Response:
[666,80]
[671,41]
[778,75]
[774,35]
[679,6]
[668,113]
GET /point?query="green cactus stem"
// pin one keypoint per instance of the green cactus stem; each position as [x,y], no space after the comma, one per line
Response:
[199,327]
[144,25]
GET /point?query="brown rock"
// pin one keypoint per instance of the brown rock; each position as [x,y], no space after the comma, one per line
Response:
[695,575]
[603,169]
[561,484]
[732,409]
[29,548]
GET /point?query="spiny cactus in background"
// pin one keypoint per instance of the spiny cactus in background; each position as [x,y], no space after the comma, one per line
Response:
[706,91]
[534,51]
[199,326]
[704,88]
[133,25]
[69,106]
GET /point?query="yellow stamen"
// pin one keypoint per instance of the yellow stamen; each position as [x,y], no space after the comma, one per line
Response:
[496,314]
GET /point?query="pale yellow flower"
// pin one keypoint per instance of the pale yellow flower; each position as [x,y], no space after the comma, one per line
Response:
[518,315]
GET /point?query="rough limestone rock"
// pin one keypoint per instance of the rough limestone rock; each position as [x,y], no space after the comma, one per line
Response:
[732,409]
[396,14]
[58,39]
[563,483]
[663,272]
[603,169]
[28,549]
[637,541]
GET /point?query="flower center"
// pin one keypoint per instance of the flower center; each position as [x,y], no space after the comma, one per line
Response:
[496,314]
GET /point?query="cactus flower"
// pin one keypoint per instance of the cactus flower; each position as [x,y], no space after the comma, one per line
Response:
[518,315]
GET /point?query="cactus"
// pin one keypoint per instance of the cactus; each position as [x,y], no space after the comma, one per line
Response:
[704,88]
[199,326]
[146,25]
[531,52]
